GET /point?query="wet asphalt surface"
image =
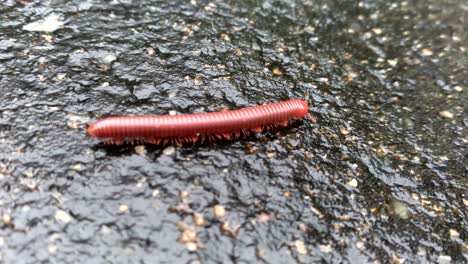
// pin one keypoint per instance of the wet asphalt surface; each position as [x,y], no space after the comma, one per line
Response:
[380,178]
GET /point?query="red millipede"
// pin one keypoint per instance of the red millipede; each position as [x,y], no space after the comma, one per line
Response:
[175,129]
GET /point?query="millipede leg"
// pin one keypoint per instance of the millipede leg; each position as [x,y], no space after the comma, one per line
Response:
[257,129]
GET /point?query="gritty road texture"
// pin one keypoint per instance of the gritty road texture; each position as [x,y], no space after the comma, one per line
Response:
[380,178]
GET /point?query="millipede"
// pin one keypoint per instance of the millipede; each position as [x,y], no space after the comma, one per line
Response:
[198,127]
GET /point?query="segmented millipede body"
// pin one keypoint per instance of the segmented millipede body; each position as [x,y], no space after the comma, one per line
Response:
[174,129]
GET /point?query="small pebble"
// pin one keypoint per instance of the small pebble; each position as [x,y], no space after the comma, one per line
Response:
[184,195]
[444,158]
[323,79]
[6,219]
[360,245]
[29,184]
[345,131]
[191,246]
[444,259]
[199,219]
[76,121]
[123,208]
[392,62]
[377,31]
[105,230]
[172,94]
[367,35]
[225,37]
[108,59]
[397,260]
[458,88]
[47,38]
[41,77]
[426,52]
[52,249]
[169,151]
[155,193]
[316,211]
[401,210]
[62,216]
[454,233]
[238,52]
[437,208]
[188,233]
[219,211]
[48,24]
[382,151]
[61,76]
[78,118]
[277,72]
[353,183]
[149,51]
[140,150]
[326,248]
[446,114]
[263,217]
[230,230]
[300,246]
[29,175]
[76,167]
